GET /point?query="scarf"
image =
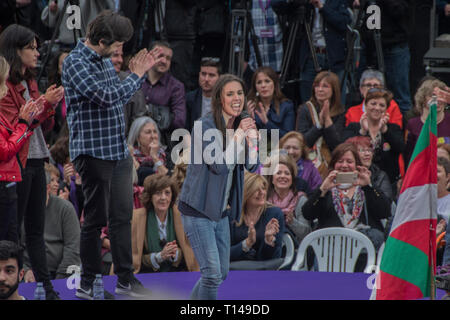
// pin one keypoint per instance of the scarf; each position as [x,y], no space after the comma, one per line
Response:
[348,210]
[152,234]
[287,204]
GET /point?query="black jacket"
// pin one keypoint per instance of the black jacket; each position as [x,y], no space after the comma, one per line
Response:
[193,107]
[322,208]
[180,19]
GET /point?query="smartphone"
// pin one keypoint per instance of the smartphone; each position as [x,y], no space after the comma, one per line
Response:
[346,177]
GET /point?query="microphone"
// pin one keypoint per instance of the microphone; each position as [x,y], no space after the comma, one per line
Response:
[252,135]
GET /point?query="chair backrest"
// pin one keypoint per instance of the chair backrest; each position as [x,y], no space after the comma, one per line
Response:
[380,255]
[336,250]
[289,244]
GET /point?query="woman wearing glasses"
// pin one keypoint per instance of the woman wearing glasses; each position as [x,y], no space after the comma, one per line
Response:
[385,137]
[372,79]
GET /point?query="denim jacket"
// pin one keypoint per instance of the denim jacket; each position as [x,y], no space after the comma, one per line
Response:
[204,186]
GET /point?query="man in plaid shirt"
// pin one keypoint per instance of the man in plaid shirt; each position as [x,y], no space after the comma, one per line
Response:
[95,97]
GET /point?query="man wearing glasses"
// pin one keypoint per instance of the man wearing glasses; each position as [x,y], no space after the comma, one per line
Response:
[198,101]
[372,78]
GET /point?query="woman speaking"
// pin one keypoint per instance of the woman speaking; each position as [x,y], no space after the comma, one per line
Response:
[212,192]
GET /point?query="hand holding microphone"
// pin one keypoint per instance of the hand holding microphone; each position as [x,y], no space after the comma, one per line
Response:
[247,124]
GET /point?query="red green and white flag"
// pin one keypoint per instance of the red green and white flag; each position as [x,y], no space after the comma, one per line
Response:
[408,264]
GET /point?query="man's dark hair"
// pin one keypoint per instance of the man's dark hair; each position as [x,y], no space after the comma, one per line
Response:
[160,43]
[10,250]
[109,27]
[211,62]
[12,39]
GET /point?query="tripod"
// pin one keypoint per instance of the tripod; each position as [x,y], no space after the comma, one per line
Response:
[241,27]
[55,32]
[299,20]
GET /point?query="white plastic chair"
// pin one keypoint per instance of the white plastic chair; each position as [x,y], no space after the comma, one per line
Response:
[336,250]
[380,255]
[289,244]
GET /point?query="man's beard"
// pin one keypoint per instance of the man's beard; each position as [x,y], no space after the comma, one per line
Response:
[12,289]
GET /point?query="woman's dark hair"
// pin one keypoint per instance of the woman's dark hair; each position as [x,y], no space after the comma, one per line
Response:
[110,27]
[278,96]
[157,182]
[340,150]
[216,102]
[14,38]
[53,72]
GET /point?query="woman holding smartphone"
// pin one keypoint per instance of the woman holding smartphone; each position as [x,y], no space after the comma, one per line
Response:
[357,205]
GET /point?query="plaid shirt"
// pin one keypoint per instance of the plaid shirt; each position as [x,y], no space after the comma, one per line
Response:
[271,49]
[95,97]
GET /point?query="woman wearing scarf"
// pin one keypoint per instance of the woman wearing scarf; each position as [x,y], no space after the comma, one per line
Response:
[357,206]
[283,193]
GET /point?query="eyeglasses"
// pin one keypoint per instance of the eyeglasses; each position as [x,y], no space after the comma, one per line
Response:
[372,85]
[376,89]
[210,59]
[365,150]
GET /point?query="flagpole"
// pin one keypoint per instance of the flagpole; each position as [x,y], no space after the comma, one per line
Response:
[432,280]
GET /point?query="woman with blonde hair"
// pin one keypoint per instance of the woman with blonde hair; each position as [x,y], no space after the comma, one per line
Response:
[423,99]
[258,234]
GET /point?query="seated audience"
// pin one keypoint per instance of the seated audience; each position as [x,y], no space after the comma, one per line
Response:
[358,206]
[160,250]
[321,119]
[258,235]
[386,138]
[282,192]
[422,104]
[294,143]
[145,139]
[268,105]
[11,270]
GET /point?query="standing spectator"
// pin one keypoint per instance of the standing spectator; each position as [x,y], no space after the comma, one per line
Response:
[135,107]
[19,46]
[269,38]
[11,270]
[180,29]
[198,101]
[164,94]
[12,139]
[394,41]
[321,119]
[95,98]
[268,105]
[443,12]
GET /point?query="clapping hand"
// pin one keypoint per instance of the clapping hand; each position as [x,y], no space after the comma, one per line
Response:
[54,94]
[251,238]
[364,123]
[383,122]
[251,105]
[144,61]
[262,113]
[32,109]
[272,229]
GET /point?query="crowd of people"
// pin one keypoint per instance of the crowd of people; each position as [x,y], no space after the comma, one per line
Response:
[88,175]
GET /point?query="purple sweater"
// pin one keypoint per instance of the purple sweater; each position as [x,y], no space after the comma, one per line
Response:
[308,172]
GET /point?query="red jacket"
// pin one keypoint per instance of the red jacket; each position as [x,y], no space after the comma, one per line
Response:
[354,114]
[395,116]
[10,106]
[12,140]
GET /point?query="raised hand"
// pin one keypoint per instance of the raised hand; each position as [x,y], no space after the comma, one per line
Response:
[364,175]
[262,113]
[383,123]
[64,194]
[329,182]
[54,94]
[364,123]
[31,109]
[272,229]
[251,105]
[251,238]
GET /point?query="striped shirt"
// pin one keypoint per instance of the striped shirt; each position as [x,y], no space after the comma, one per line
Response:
[95,99]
